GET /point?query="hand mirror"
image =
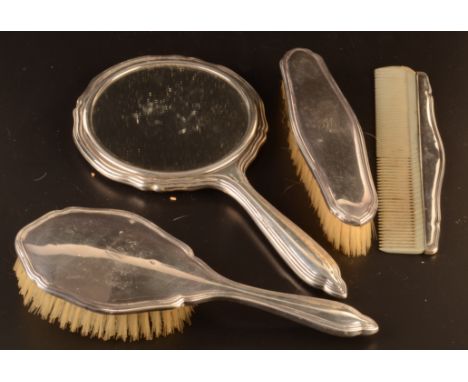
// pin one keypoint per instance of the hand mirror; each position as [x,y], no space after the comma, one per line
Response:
[167,123]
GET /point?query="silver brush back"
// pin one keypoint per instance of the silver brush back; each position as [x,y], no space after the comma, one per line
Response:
[329,137]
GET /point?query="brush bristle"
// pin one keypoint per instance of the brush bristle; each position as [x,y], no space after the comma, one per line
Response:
[126,327]
[349,239]
[401,211]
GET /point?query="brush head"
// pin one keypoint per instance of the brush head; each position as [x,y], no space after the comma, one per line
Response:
[126,327]
[328,149]
[349,239]
[106,274]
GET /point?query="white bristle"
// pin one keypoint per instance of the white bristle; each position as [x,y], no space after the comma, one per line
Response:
[126,327]
[399,173]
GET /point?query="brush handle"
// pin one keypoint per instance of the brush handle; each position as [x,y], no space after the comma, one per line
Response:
[327,316]
[303,254]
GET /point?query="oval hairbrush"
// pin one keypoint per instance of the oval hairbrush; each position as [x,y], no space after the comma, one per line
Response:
[111,273]
[329,152]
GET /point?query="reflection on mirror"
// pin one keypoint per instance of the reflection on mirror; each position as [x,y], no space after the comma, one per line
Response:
[170,118]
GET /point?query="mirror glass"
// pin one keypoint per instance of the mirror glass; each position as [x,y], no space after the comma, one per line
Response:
[170,118]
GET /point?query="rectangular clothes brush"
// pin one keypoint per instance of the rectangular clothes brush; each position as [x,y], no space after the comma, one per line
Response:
[328,149]
[410,162]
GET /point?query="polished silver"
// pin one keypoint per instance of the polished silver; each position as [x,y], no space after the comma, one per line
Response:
[432,162]
[306,257]
[329,136]
[116,262]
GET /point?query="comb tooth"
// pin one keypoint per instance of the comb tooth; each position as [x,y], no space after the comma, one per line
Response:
[401,213]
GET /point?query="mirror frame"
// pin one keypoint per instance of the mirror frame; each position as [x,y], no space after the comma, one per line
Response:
[116,169]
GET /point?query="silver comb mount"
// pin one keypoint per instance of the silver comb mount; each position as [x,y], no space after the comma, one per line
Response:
[432,163]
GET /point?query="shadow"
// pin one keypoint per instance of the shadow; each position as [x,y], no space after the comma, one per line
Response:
[265,249]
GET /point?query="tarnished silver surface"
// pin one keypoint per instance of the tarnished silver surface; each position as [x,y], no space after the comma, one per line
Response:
[308,260]
[112,261]
[432,163]
[329,136]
